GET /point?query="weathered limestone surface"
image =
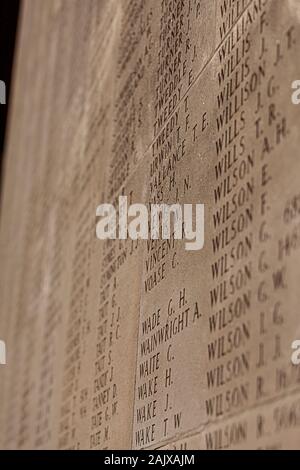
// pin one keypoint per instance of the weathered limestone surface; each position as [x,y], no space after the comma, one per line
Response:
[135,344]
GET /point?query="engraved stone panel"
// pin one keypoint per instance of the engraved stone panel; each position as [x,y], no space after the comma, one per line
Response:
[135,344]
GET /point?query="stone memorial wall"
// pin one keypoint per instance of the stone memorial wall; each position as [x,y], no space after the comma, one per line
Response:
[132,344]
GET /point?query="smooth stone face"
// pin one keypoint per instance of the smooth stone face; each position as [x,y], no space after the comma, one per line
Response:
[125,344]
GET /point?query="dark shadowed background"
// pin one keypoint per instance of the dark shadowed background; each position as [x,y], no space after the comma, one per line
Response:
[9,13]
